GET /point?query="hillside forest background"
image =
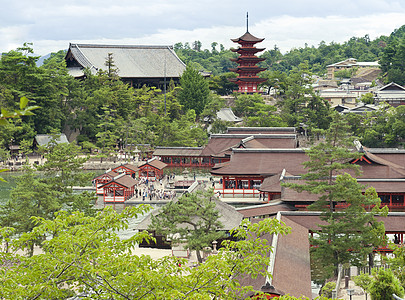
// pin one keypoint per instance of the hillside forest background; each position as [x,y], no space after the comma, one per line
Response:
[103,112]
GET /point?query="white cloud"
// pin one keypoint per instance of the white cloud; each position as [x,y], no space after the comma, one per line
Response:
[51,25]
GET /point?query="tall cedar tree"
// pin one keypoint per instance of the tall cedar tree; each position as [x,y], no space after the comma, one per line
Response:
[351,233]
[193,220]
[195,92]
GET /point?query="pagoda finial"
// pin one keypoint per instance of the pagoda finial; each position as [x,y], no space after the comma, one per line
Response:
[247,21]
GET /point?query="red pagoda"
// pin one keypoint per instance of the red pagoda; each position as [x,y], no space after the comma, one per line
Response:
[247,70]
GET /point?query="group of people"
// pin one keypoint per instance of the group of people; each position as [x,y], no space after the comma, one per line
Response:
[153,190]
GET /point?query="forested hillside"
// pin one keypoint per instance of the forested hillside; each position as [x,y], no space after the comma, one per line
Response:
[384,48]
[101,111]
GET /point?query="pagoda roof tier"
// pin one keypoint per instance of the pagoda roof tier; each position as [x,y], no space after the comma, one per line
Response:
[247,59]
[247,79]
[247,37]
[247,68]
[248,49]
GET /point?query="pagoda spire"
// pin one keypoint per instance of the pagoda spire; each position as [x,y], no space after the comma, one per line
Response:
[247,21]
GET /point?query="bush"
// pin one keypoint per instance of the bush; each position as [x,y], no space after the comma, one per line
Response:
[327,289]
[385,284]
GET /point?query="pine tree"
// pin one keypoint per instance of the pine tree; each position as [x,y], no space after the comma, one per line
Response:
[350,234]
[192,219]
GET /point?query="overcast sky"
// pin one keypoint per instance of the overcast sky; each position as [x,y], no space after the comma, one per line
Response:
[52,24]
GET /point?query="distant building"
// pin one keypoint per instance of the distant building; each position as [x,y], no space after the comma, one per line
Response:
[339,96]
[136,65]
[348,64]
[392,93]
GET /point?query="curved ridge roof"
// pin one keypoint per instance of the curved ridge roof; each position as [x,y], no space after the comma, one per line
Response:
[247,37]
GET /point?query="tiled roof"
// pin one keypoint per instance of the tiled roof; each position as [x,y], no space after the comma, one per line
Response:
[271,208]
[262,130]
[222,142]
[131,61]
[110,174]
[154,163]
[247,37]
[131,167]
[177,151]
[125,180]
[271,184]
[263,162]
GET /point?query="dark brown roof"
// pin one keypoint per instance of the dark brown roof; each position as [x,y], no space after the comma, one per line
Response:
[394,222]
[384,185]
[131,167]
[263,162]
[247,37]
[125,180]
[379,160]
[292,268]
[110,174]
[271,184]
[249,142]
[177,151]
[154,163]
[263,130]
[268,209]
[290,261]
[222,142]
[247,79]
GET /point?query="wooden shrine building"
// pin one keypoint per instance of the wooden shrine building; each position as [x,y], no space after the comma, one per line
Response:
[247,70]
[181,157]
[260,172]
[247,169]
[219,147]
[103,179]
[128,169]
[152,169]
[120,189]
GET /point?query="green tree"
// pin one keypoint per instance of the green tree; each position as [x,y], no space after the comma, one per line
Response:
[382,285]
[349,234]
[221,84]
[192,220]
[298,102]
[397,262]
[42,194]
[195,93]
[255,112]
[367,98]
[100,264]
[392,59]
[107,137]
[6,115]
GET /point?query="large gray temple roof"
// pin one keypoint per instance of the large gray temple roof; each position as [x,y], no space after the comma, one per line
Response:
[131,61]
